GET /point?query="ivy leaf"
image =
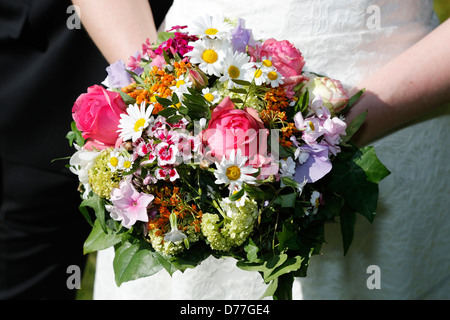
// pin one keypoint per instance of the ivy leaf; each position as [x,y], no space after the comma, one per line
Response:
[134,261]
[372,166]
[347,222]
[353,177]
[99,240]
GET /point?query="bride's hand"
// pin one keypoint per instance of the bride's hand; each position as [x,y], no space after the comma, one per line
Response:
[412,84]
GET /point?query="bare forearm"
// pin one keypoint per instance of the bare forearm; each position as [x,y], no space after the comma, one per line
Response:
[118,27]
[415,82]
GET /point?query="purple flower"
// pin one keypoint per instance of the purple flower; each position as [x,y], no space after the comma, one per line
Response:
[129,205]
[118,77]
[316,165]
[241,37]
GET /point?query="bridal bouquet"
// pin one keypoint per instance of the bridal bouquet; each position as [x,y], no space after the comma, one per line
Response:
[211,143]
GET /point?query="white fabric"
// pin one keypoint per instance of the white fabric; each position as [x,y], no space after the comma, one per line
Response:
[410,239]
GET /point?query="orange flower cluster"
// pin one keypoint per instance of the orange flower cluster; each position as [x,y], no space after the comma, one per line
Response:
[157,83]
[274,113]
[171,201]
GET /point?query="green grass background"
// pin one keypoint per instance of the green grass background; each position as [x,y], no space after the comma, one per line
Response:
[442,8]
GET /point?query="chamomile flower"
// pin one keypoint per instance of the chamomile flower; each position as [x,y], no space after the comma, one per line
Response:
[213,27]
[113,162]
[181,86]
[212,96]
[256,74]
[235,66]
[234,171]
[274,78]
[125,162]
[208,55]
[134,121]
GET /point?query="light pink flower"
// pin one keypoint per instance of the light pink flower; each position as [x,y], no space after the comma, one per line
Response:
[129,205]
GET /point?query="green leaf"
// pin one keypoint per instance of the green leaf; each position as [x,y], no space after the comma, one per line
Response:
[75,135]
[134,261]
[98,205]
[174,119]
[271,288]
[372,166]
[241,82]
[291,264]
[284,287]
[252,251]
[353,127]
[303,102]
[238,90]
[99,240]
[287,200]
[126,98]
[237,195]
[167,112]
[349,180]
[163,101]
[163,36]
[347,222]
[353,100]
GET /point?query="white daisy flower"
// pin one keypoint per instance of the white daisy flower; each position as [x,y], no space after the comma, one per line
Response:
[274,78]
[181,86]
[235,66]
[134,121]
[212,97]
[213,27]
[266,64]
[256,74]
[234,171]
[113,162]
[208,55]
[125,163]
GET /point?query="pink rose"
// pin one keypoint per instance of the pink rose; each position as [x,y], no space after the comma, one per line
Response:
[232,129]
[285,57]
[97,115]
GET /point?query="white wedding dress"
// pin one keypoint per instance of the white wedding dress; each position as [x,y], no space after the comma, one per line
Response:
[410,239]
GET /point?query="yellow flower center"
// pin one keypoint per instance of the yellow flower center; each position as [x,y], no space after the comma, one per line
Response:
[139,124]
[209,56]
[258,73]
[267,63]
[209,96]
[114,161]
[127,164]
[211,31]
[311,125]
[272,75]
[233,72]
[233,172]
[180,83]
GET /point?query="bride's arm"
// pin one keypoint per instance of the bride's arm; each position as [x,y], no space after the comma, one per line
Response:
[118,27]
[410,85]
